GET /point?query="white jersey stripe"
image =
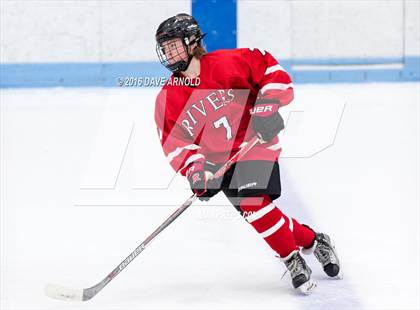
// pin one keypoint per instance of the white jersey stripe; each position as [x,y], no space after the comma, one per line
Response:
[191,159]
[260,213]
[290,223]
[179,150]
[275,147]
[274,69]
[279,86]
[273,229]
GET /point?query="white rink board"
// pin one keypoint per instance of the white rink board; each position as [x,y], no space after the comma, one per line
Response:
[362,189]
[119,31]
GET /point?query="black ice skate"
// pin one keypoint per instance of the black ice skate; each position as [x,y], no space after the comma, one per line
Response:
[325,252]
[300,273]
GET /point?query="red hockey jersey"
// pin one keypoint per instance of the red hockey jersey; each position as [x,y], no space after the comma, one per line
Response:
[210,121]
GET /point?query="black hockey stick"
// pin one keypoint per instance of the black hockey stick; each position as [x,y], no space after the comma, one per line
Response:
[64,293]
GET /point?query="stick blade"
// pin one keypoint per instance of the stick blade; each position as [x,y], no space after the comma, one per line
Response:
[63,293]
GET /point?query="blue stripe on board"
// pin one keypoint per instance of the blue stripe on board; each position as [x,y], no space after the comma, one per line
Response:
[77,74]
[217,18]
[108,74]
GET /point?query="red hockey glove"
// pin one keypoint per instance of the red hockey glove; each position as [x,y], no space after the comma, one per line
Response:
[265,119]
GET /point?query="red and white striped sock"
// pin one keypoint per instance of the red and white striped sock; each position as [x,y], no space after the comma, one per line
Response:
[282,233]
[270,223]
[304,235]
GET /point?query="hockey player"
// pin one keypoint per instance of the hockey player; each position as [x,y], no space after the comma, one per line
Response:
[235,95]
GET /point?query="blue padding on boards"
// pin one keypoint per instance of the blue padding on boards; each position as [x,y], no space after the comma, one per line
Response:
[411,70]
[77,74]
[217,18]
[109,74]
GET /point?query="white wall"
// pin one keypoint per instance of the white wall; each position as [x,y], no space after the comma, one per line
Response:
[336,29]
[412,28]
[265,24]
[331,29]
[87,31]
[113,31]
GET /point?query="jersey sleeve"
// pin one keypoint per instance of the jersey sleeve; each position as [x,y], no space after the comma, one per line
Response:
[270,78]
[178,148]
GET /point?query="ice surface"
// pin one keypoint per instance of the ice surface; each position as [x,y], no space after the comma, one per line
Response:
[84,181]
[63,293]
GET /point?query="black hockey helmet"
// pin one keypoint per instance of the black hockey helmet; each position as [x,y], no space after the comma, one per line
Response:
[181,26]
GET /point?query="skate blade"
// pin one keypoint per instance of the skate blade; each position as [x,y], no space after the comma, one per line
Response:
[340,273]
[307,287]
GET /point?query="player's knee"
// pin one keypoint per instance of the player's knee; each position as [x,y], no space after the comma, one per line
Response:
[253,204]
